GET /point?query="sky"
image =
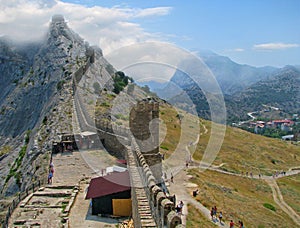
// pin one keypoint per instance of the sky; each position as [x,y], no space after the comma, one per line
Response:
[254,32]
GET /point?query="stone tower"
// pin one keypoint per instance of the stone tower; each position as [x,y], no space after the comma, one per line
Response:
[144,125]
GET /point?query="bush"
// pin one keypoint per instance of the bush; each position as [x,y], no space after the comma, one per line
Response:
[120,81]
[164,147]
[269,206]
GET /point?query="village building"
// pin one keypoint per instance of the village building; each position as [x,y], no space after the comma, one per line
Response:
[110,195]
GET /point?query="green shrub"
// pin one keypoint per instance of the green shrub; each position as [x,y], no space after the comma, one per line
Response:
[269,206]
[120,81]
[164,147]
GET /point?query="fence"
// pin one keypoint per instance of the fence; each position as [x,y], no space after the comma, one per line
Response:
[22,195]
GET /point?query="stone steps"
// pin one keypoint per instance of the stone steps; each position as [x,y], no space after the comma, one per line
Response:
[143,207]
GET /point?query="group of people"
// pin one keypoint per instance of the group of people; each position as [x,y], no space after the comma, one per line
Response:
[51,172]
[213,214]
[214,217]
[240,224]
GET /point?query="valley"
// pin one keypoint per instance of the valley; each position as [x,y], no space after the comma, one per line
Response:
[63,104]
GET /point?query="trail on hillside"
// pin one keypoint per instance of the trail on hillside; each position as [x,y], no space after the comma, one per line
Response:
[181,193]
[278,198]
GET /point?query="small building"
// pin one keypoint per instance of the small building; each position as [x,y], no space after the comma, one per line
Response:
[111,194]
[115,168]
[87,140]
[287,137]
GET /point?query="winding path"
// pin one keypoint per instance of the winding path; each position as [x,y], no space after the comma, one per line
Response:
[181,179]
[278,198]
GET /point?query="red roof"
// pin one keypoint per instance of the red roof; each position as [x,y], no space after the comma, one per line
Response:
[109,184]
[122,161]
[283,121]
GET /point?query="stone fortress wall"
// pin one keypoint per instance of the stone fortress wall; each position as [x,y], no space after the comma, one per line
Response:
[140,146]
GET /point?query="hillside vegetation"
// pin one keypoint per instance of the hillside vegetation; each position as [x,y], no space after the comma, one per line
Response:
[246,152]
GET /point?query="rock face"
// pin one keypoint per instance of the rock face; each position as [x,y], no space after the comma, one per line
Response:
[36,94]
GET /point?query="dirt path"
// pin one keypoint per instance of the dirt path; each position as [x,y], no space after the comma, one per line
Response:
[278,198]
[179,188]
[181,179]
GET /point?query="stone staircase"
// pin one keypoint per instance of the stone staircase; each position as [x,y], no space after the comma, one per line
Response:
[143,211]
[47,207]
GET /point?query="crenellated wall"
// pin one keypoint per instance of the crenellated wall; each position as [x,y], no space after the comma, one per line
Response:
[140,146]
[161,207]
[144,126]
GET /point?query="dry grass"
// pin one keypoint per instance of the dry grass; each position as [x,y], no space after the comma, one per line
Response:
[239,198]
[172,129]
[243,151]
[196,219]
[290,189]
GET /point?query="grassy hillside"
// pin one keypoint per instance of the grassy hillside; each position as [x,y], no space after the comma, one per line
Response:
[240,198]
[196,219]
[290,189]
[246,152]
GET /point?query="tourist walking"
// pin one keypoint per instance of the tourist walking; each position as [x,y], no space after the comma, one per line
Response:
[241,224]
[50,178]
[212,213]
[231,224]
[220,216]
[215,211]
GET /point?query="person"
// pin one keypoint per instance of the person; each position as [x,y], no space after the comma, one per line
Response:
[179,207]
[195,193]
[231,224]
[215,211]
[50,178]
[172,178]
[241,224]
[212,213]
[52,170]
[220,216]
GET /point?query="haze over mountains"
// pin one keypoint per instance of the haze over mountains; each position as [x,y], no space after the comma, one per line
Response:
[245,88]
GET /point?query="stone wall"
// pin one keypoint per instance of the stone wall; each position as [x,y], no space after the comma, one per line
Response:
[162,207]
[144,125]
[140,146]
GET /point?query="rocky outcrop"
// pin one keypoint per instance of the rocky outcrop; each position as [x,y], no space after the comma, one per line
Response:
[36,97]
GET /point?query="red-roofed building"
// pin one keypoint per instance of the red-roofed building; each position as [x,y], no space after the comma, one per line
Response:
[111,194]
[280,122]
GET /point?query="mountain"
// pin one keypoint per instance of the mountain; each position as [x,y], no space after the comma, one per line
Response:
[245,88]
[36,99]
[281,91]
[232,77]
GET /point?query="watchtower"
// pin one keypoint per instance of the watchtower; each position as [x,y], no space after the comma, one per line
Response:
[144,125]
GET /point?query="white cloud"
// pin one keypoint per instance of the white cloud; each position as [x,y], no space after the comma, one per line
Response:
[235,50]
[238,49]
[274,46]
[158,11]
[110,28]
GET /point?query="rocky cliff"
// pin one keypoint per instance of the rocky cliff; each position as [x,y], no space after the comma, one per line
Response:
[36,99]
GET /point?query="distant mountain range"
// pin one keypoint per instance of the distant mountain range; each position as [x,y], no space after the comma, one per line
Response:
[282,90]
[245,88]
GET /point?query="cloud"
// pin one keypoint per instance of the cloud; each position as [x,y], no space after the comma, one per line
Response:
[236,50]
[157,11]
[109,28]
[274,46]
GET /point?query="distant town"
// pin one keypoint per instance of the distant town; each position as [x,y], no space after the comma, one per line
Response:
[267,122]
